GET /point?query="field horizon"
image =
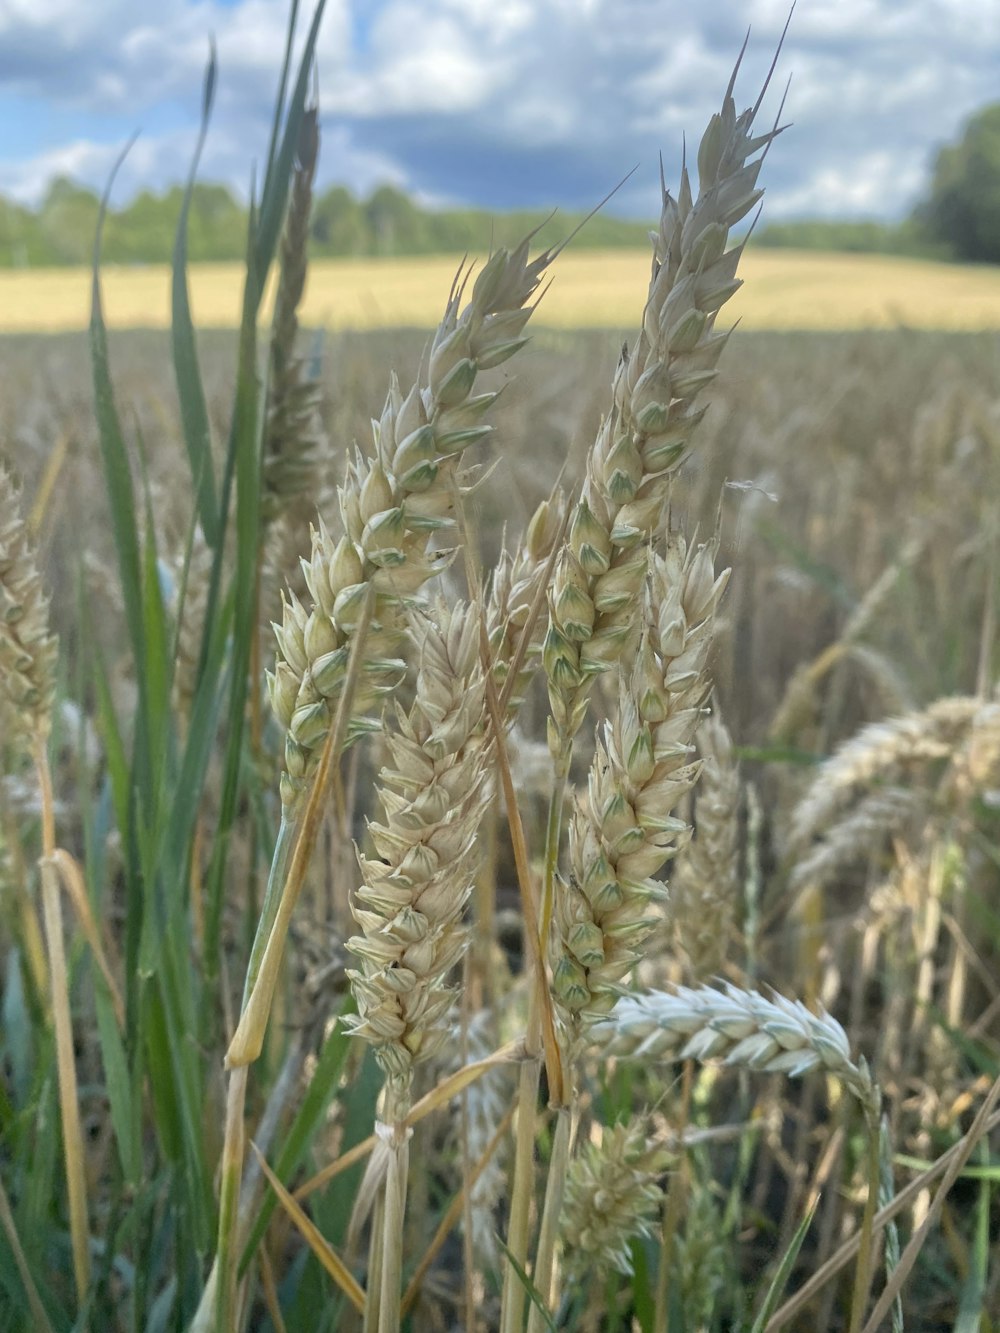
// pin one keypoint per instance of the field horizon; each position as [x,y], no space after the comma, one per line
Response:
[787,289]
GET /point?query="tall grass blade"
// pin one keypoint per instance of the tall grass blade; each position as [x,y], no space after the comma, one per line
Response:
[190,391]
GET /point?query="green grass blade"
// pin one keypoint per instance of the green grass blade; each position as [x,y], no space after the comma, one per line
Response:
[119,1087]
[532,1291]
[275,194]
[780,1279]
[187,371]
[117,467]
[279,101]
[307,1121]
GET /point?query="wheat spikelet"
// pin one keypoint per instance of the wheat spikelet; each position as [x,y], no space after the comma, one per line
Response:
[517,582]
[291,435]
[645,436]
[739,1027]
[888,753]
[612,1197]
[28,649]
[392,504]
[622,832]
[191,623]
[705,886]
[414,890]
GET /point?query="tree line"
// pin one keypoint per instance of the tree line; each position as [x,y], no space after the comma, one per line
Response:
[959,218]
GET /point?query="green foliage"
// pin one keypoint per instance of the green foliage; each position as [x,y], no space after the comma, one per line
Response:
[389,222]
[862,237]
[962,209]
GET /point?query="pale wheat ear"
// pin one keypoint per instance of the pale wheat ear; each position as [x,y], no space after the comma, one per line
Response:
[28,648]
[397,509]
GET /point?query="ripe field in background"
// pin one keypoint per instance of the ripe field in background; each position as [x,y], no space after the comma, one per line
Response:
[592,289]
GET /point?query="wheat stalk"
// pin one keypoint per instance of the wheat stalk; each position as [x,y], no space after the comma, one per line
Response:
[410,905]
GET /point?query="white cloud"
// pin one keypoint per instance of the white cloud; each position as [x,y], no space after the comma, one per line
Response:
[505,101]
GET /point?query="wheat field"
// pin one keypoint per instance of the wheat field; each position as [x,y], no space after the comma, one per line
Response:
[499,825]
[591,289]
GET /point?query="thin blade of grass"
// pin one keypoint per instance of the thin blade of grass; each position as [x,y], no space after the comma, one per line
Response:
[530,1289]
[307,1121]
[187,371]
[780,1279]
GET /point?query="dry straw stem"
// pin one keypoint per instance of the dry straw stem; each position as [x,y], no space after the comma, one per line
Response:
[623,831]
[705,886]
[739,1027]
[960,733]
[647,433]
[612,1197]
[395,500]
[290,439]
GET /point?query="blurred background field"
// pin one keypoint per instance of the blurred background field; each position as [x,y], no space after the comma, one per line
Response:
[591,289]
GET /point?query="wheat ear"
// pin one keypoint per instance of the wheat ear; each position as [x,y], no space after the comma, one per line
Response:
[290,435]
[647,432]
[392,504]
[28,652]
[612,1197]
[434,794]
[739,1027]
[705,886]
[623,830]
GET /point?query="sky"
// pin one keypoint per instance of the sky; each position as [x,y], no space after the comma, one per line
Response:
[500,103]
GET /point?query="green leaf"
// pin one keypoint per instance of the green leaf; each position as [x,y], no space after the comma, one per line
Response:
[780,1279]
[119,1086]
[533,1293]
[190,391]
[307,1121]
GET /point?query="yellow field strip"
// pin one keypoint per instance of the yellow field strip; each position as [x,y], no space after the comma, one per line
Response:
[785,289]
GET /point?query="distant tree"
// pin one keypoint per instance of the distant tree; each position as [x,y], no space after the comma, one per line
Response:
[963,207]
[67,221]
[339,225]
[397,224]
